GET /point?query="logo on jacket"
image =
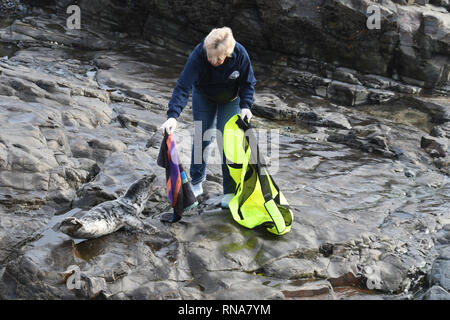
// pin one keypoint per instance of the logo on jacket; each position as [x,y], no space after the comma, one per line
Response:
[234,75]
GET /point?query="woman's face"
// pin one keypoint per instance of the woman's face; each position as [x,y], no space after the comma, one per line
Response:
[216,61]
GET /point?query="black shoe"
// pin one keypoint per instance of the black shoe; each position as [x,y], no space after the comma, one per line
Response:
[170,217]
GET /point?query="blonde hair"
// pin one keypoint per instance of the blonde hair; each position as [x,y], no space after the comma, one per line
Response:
[219,42]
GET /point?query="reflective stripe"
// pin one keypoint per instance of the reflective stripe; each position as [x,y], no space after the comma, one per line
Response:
[275,214]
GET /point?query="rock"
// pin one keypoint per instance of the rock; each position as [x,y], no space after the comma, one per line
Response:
[306,81]
[13,8]
[436,147]
[110,145]
[404,2]
[347,94]
[310,290]
[346,280]
[391,271]
[270,106]
[30,283]
[441,131]
[370,139]
[326,249]
[410,173]
[19,227]
[440,273]
[442,3]
[98,149]
[346,75]
[155,140]
[92,287]
[28,163]
[317,117]
[288,268]
[377,96]
[90,195]
[443,164]
[436,293]
[376,82]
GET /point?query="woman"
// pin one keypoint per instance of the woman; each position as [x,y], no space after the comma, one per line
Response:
[220,74]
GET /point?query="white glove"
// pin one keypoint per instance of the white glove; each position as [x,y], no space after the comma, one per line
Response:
[169,126]
[246,113]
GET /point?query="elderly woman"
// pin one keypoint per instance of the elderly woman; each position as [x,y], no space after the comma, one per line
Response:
[220,74]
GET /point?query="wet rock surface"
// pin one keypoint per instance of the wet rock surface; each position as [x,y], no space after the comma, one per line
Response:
[371,204]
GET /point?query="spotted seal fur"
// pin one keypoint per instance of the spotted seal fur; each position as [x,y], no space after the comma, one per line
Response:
[110,216]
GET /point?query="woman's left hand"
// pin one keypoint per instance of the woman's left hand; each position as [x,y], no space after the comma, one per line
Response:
[246,113]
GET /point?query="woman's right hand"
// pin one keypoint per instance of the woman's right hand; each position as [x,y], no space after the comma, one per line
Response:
[169,126]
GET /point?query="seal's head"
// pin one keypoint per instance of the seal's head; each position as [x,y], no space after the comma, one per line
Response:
[70,226]
[139,192]
[86,229]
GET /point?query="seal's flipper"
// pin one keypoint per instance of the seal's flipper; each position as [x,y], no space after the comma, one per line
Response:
[149,228]
[140,225]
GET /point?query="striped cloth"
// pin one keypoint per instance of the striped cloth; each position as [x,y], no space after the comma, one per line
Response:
[179,190]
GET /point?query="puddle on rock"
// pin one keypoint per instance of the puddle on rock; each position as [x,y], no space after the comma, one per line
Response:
[55,27]
[250,244]
[399,113]
[52,235]
[7,50]
[6,21]
[89,249]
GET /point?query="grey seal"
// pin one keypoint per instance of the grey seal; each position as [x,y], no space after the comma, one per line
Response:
[110,216]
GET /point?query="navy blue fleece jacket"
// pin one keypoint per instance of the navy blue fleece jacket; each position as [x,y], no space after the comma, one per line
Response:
[210,80]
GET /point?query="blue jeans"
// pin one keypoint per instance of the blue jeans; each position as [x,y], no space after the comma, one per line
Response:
[208,114]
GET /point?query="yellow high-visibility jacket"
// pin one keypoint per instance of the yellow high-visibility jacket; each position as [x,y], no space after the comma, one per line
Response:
[258,202]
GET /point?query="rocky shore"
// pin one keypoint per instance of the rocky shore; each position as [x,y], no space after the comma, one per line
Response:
[13,8]
[368,155]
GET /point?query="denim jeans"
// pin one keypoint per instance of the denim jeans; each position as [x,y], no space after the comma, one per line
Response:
[208,114]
